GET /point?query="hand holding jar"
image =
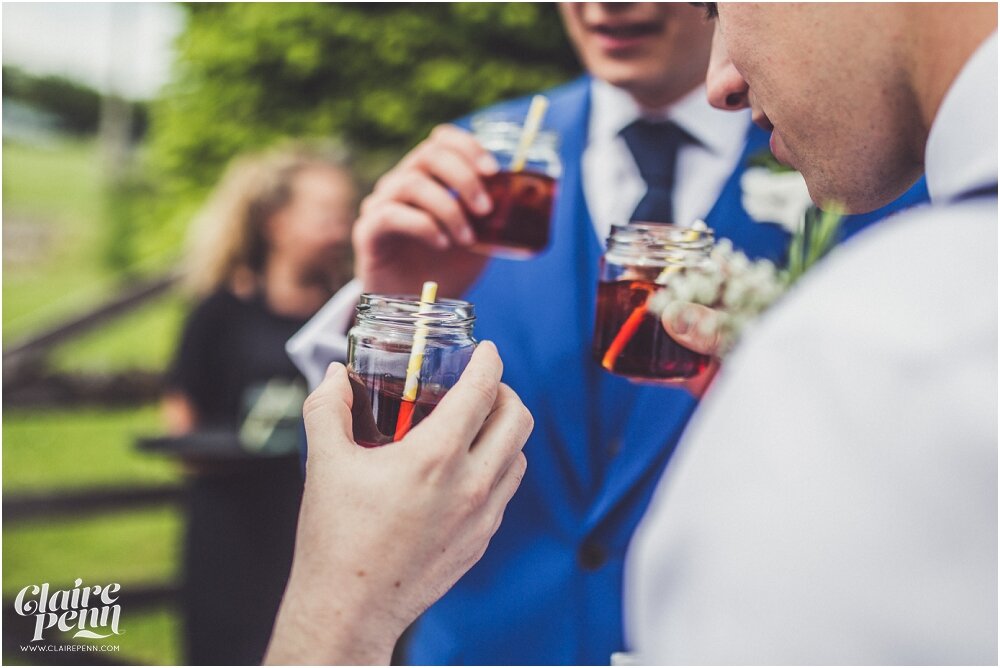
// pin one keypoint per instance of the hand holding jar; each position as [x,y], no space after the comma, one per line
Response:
[456,199]
[415,224]
[384,532]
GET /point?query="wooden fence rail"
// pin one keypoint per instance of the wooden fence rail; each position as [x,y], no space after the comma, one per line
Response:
[22,356]
[59,503]
[26,506]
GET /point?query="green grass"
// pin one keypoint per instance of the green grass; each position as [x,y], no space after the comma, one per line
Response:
[150,637]
[84,449]
[131,548]
[53,203]
[54,237]
[134,547]
[32,303]
[143,339]
[79,448]
[62,181]
[55,233]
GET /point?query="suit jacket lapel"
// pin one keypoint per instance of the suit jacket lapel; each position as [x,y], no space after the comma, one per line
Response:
[568,272]
[731,221]
[656,416]
[548,336]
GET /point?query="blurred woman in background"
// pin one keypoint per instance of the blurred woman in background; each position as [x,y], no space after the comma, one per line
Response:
[269,248]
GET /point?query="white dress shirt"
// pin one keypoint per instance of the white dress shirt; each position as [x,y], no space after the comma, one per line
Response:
[612,188]
[612,184]
[834,499]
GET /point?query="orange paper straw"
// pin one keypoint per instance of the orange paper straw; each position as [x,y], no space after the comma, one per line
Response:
[623,337]
[405,419]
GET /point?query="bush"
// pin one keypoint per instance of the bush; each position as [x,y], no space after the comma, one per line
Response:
[377,76]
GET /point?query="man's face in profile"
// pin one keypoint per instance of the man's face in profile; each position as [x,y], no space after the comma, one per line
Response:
[826,77]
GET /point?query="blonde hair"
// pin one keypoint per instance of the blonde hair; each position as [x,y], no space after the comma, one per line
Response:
[226,241]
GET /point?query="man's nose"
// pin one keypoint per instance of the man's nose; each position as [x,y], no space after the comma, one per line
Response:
[726,87]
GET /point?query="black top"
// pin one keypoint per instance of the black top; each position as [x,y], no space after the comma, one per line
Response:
[232,365]
[240,528]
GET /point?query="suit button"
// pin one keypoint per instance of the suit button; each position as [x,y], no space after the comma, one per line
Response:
[592,555]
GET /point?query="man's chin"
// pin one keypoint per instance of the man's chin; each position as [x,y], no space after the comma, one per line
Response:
[618,72]
[849,200]
[647,90]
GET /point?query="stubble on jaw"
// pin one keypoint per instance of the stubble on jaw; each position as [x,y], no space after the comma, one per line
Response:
[831,81]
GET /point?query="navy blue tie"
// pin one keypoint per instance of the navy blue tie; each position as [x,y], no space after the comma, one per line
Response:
[654,147]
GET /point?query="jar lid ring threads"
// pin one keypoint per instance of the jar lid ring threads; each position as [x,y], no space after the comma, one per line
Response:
[657,243]
[402,313]
[501,133]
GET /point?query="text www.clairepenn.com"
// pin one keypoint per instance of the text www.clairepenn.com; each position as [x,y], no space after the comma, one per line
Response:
[69,648]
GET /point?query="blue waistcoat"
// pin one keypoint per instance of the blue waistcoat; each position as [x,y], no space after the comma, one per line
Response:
[549,588]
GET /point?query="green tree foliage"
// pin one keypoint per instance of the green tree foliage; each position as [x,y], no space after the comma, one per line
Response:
[78,107]
[375,76]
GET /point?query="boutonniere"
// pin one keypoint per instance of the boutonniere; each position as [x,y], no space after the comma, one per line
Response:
[774,193]
[740,289]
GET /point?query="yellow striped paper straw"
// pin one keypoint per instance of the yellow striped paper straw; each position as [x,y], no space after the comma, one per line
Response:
[428,295]
[533,122]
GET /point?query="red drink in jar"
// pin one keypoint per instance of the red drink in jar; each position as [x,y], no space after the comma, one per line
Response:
[377,403]
[378,359]
[630,341]
[522,208]
[522,194]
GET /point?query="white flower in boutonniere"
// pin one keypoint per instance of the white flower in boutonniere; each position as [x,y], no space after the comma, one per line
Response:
[774,193]
[738,289]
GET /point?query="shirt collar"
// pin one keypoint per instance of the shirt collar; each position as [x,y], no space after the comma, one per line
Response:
[961,151]
[613,109]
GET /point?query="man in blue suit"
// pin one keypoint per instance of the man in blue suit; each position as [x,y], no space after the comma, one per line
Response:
[549,589]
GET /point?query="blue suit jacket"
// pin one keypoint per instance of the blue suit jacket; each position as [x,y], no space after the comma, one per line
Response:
[549,589]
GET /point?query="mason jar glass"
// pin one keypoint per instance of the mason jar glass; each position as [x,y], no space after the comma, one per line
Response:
[629,339]
[519,224]
[378,354]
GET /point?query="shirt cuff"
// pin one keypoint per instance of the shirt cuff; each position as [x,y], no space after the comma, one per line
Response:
[323,339]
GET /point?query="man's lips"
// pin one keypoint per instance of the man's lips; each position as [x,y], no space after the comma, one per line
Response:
[614,37]
[779,150]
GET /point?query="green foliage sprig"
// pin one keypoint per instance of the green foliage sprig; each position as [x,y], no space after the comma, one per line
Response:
[813,240]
